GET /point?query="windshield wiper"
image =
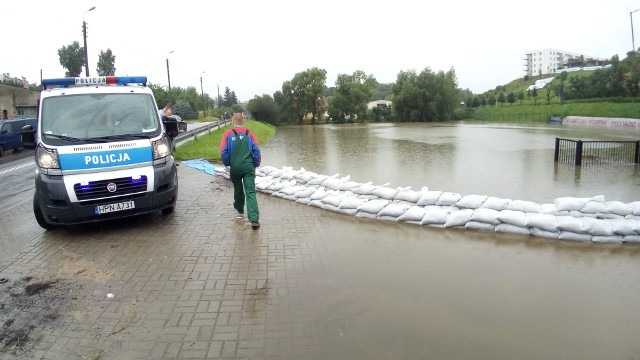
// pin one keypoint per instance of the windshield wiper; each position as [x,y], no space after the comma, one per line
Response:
[63,137]
[120,137]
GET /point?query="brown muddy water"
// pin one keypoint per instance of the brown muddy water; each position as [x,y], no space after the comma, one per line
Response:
[504,160]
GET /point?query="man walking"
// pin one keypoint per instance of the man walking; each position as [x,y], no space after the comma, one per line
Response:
[240,151]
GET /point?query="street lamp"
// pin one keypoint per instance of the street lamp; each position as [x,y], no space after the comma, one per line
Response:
[633,44]
[218,99]
[202,93]
[84,35]
[169,76]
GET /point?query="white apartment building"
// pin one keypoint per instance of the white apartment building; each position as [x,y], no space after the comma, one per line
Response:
[548,61]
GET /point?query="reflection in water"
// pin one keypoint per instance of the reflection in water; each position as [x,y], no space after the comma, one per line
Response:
[504,160]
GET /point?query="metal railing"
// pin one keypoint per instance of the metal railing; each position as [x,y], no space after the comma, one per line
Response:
[193,134]
[580,152]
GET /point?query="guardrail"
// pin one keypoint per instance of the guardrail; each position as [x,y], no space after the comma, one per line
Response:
[596,152]
[193,134]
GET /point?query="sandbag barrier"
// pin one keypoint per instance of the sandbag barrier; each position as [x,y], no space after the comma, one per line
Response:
[568,218]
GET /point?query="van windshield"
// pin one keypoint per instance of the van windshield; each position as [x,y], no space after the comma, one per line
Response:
[88,117]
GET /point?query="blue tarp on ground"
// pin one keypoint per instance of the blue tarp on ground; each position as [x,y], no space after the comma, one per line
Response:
[202,165]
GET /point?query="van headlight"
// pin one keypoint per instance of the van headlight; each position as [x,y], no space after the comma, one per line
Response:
[47,158]
[161,148]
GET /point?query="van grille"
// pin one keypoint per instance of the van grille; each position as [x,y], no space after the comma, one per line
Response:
[101,189]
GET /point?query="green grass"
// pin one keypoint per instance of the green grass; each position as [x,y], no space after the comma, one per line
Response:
[208,146]
[540,112]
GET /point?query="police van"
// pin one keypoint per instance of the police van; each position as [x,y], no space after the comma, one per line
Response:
[102,152]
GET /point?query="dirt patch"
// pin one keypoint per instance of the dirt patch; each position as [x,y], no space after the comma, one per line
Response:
[27,308]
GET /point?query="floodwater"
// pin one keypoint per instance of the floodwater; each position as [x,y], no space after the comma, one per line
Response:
[496,159]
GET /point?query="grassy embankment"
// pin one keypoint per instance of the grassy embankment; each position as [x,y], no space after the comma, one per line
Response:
[208,146]
[539,109]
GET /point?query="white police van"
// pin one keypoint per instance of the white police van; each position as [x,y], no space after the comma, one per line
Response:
[102,152]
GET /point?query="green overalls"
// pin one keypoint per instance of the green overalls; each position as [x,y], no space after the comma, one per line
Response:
[243,176]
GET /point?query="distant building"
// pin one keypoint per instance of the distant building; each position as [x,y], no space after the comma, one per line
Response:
[378,103]
[551,61]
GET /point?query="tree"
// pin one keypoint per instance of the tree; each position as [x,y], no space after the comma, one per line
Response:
[521,95]
[501,98]
[560,89]
[299,96]
[511,98]
[184,110]
[264,108]
[427,96]
[352,94]
[106,63]
[229,98]
[162,98]
[534,93]
[72,59]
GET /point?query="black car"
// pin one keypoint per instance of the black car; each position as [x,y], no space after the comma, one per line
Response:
[182,126]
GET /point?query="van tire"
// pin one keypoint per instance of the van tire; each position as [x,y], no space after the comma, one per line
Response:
[1,150]
[39,216]
[168,210]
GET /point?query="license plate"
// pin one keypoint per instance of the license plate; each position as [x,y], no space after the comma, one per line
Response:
[125,205]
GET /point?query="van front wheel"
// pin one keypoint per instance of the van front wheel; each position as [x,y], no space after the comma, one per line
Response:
[1,150]
[168,210]
[39,216]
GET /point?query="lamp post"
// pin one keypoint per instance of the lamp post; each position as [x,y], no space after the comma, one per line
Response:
[169,76]
[84,35]
[202,93]
[218,99]
[633,43]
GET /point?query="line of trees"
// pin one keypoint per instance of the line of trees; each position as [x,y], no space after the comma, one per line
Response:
[72,60]
[424,96]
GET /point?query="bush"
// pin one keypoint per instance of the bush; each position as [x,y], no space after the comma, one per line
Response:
[184,110]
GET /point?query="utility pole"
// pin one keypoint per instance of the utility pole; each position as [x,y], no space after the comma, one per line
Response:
[84,35]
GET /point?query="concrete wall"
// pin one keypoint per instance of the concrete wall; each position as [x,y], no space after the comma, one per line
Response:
[13,98]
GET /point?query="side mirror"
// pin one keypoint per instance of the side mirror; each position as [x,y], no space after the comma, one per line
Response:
[28,137]
[170,126]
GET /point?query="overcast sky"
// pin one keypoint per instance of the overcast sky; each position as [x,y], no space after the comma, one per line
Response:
[253,46]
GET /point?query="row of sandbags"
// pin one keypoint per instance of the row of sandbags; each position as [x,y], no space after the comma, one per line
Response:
[568,218]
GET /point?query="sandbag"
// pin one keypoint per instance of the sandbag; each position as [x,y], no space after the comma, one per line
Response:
[611,239]
[485,215]
[411,196]
[569,235]
[413,214]
[571,224]
[618,207]
[429,198]
[598,227]
[458,218]
[476,225]
[546,222]
[513,217]
[624,226]
[631,238]
[373,206]
[471,201]
[495,203]
[594,207]
[543,233]
[317,180]
[384,192]
[394,210]
[524,206]
[448,199]
[508,228]
[351,202]
[435,215]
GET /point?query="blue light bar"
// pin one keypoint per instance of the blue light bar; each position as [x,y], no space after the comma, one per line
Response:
[97,80]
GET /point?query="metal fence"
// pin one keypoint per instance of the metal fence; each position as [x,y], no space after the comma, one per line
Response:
[580,152]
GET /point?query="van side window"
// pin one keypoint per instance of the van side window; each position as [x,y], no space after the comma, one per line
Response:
[6,128]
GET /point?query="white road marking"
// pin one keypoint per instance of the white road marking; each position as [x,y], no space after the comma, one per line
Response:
[17,167]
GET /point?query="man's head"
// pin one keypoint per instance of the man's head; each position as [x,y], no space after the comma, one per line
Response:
[237,119]
[168,110]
